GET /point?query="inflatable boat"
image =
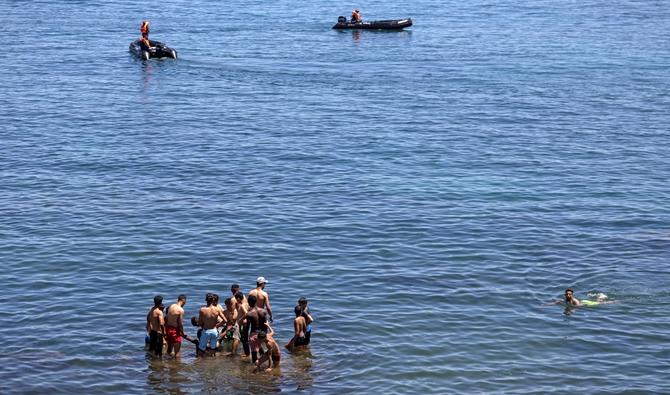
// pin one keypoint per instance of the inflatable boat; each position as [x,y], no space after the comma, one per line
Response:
[391,24]
[157,50]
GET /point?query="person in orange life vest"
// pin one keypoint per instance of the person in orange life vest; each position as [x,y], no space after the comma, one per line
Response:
[356,16]
[145,43]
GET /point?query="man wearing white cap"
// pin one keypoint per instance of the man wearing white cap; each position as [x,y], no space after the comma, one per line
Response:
[262,298]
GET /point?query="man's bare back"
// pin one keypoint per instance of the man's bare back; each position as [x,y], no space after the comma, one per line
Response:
[175,316]
[208,318]
[156,320]
[262,298]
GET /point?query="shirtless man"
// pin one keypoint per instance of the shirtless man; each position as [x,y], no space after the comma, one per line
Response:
[570,298]
[156,327]
[300,327]
[257,319]
[571,301]
[231,331]
[262,298]
[174,326]
[271,354]
[234,289]
[208,319]
[242,309]
[302,303]
[220,309]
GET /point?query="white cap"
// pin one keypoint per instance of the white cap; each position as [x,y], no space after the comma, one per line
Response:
[261,280]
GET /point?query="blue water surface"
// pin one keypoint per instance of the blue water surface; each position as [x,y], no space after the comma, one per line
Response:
[428,190]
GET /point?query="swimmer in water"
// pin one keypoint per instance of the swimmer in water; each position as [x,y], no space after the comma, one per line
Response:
[571,301]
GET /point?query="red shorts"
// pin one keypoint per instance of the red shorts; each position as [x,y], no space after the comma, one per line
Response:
[171,334]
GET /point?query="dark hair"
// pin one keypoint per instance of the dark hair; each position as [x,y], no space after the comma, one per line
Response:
[239,295]
[209,298]
[302,300]
[234,286]
[194,321]
[215,298]
[228,301]
[182,297]
[158,300]
[298,311]
[569,289]
[261,334]
[251,299]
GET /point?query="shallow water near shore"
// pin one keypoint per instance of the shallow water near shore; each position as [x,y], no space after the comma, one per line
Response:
[428,190]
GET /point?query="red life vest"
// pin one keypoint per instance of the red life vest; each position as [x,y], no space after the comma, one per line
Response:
[144,29]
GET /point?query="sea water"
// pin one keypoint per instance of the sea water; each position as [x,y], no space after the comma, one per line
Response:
[429,191]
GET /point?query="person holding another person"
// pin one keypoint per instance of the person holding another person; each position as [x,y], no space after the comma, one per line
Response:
[174,326]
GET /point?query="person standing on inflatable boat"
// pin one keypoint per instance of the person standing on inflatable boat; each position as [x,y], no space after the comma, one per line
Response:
[144,40]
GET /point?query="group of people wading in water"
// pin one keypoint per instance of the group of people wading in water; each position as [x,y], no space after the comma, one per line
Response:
[244,320]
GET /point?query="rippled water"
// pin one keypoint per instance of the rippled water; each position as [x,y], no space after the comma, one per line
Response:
[428,190]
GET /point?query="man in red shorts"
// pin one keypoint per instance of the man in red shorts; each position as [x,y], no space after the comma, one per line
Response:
[174,326]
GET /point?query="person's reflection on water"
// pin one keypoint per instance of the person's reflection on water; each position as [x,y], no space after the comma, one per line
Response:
[225,375]
[167,376]
[147,71]
[303,370]
[356,35]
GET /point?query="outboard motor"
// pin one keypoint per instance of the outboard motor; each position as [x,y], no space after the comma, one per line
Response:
[341,19]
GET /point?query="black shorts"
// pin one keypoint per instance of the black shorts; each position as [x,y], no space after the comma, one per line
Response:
[308,336]
[156,343]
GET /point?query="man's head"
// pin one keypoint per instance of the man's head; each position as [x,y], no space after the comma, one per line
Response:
[158,300]
[181,299]
[252,301]
[239,296]
[298,311]
[235,288]
[215,299]
[261,281]
[568,294]
[229,303]
[209,298]
[262,336]
[302,301]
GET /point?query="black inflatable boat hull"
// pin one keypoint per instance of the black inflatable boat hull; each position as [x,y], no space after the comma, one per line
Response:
[391,24]
[159,50]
